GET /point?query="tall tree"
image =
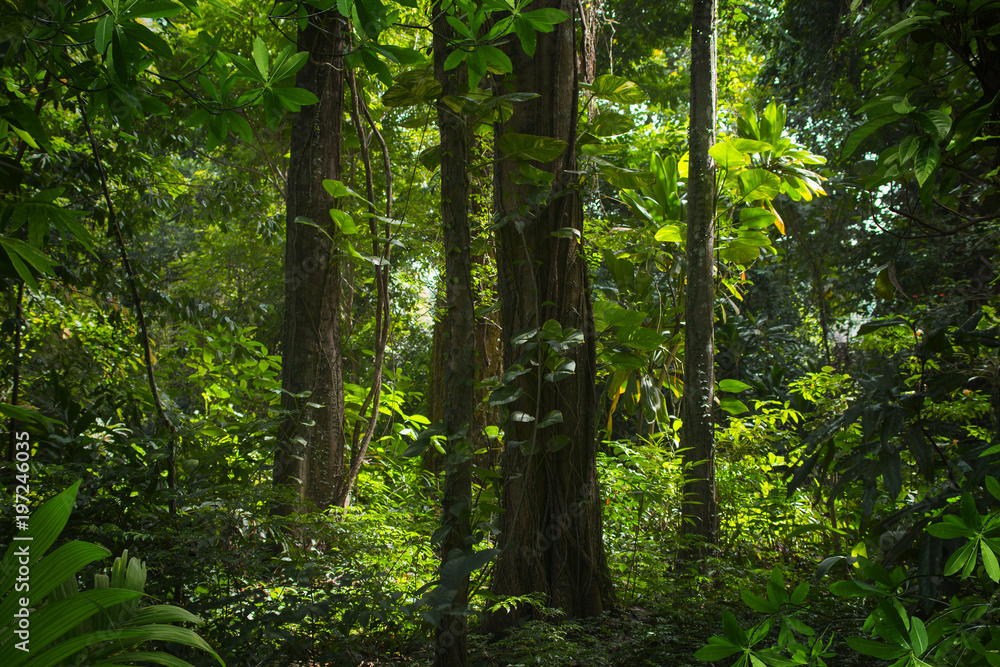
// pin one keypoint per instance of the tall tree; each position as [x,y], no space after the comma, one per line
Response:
[310,451]
[459,342]
[700,507]
[550,523]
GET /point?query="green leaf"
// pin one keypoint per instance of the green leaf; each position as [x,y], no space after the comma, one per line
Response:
[757,184]
[615,89]
[627,178]
[751,145]
[993,486]
[22,255]
[553,417]
[963,559]
[455,58]
[799,596]
[742,254]
[460,27]
[608,314]
[102,35]
[157,9]
[412,88]
[733,631]
[950,529]
[669,234]
[371,14]
[148,38]
[504,395]
[526,35]
[125,637]
[825,566]
[260,57]
[717,649]
[238,123]
[542,20]
[935,123]
[969,125]
[246,69]
[733,406]
[344,221]
[53,569]
[926,163]
[875,649]
[727,156]
[611,123]
[734,386]
[990,563]
[864,131]
[639,338]
[755,217]
[336,189]
[757,603]
[402,54]
[498,59]
[565,368]
[852,589]
[293,98]
[875,325]
[970,515]
[430,158]
[530,147]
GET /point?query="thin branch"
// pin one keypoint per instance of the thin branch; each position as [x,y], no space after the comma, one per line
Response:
[144,334]
[373,399]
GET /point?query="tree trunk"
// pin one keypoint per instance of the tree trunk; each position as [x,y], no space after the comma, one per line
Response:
[459,343]
[311,458]
[550,524]
[700,507]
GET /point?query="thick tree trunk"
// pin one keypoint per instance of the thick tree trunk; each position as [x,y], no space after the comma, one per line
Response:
[459,343]
[700,507]
[312,457]
[550,524]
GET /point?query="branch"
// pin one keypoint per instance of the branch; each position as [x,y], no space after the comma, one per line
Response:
[144,334]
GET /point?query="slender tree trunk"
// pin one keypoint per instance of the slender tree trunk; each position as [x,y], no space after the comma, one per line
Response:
[700,507]
[550,524]
[311,457]
[460,369]
[431,459]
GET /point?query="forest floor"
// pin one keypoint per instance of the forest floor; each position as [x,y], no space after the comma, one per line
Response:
[662,634]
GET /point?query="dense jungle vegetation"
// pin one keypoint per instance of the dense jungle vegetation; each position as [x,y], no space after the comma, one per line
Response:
[500,332]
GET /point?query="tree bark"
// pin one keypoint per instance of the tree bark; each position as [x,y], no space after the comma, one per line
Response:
[700,507]
[550,539]
[311,457]
[459,343]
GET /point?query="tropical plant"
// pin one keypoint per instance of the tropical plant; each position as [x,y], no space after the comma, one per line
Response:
[52,622]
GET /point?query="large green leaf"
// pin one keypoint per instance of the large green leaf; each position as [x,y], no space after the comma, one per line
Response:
[728,156]
[52,570]
[759,184]
[530,147]
[627,178]
[55,619]
[121,639]
[608,314]
[44,527]
[611,123]
[639,338]
[615,89]
[412,88]
[876,649]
